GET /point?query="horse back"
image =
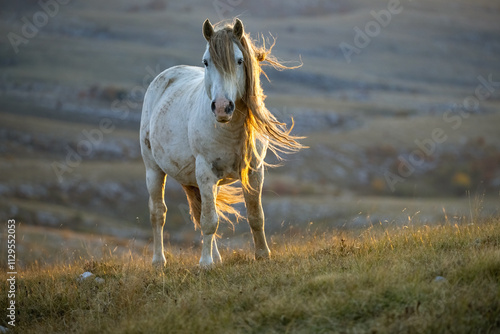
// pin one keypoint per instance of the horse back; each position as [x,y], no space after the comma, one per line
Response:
[168,85]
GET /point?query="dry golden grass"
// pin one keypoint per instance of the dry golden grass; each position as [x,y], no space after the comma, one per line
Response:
[374,280]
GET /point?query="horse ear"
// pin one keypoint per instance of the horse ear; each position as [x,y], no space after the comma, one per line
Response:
[238,29]
[208,30]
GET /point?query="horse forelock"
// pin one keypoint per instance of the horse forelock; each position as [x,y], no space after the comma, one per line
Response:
[222,51]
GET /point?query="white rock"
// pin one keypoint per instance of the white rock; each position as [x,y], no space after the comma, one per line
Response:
[84,276]
[439,279]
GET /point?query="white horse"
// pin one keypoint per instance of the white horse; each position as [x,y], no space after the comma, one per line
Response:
[207,128]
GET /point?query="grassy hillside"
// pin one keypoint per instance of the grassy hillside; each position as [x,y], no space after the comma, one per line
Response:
[94,60]
[410,279]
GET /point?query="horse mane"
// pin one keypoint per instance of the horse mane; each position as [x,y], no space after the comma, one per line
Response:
[260,124]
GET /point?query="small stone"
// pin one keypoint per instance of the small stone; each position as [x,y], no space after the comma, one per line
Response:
[84,276]
[99,280]
[439,279]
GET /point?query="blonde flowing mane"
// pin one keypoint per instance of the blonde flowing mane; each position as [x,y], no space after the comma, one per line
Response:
[260,124]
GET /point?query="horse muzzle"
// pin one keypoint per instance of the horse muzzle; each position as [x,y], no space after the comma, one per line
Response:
[223,109]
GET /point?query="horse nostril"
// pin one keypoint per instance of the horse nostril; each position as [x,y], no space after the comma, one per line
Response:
[230,107]
[213,106]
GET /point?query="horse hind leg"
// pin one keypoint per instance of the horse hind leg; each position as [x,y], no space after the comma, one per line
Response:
[194,200]
[155,181]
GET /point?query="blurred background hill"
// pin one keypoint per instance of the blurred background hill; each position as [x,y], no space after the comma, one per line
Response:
[399,101]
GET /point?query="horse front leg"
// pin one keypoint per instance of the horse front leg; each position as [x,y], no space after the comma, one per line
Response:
[209,220]
[155,181]
[255,213]
[215,252]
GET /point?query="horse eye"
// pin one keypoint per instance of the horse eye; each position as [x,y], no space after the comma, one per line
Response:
[240,61]
[205,62]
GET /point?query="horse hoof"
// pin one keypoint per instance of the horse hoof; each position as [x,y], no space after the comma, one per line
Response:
[206,263]
[262,254]
[159,262]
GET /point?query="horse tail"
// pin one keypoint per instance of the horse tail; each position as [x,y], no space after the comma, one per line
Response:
[194,201]
[227,196]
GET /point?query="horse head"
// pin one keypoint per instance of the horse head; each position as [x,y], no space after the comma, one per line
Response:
[224,68]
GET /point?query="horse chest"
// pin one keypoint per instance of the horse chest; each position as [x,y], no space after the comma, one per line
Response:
[223,154]
[226,167]
[224,160]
